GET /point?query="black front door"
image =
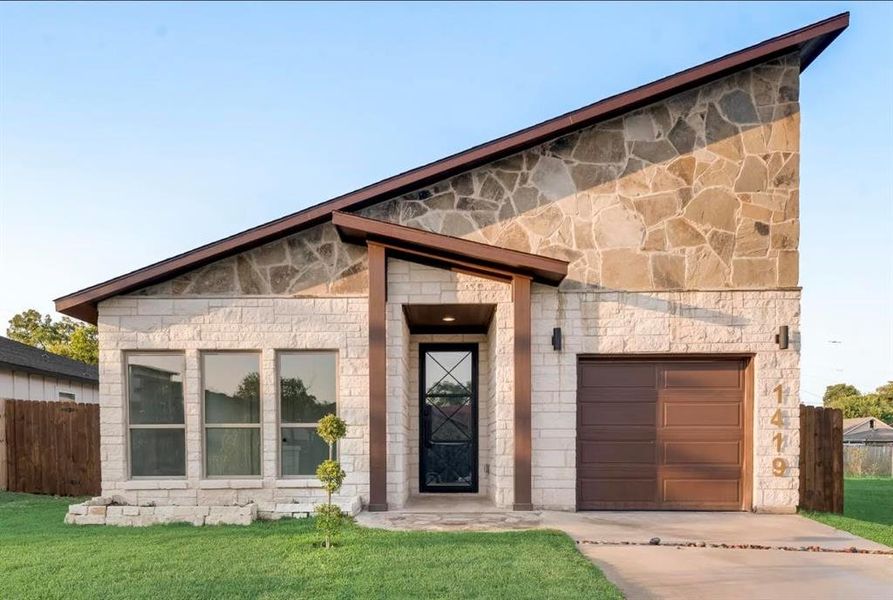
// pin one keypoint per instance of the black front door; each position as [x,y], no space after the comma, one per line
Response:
[448,428]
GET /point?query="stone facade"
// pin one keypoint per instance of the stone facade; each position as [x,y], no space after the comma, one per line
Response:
[410,283]
[630,323]
[700,191]
[109,511]
[680,222]
[265,325]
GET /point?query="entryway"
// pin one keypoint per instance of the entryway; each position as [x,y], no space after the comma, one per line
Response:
[448,418]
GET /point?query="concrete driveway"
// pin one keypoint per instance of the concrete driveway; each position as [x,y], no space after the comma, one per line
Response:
[618,542]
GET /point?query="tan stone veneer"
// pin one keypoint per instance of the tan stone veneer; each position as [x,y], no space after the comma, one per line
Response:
[700,191]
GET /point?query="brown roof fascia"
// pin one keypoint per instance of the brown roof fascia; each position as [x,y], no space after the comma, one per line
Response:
[810,41]
[449,250]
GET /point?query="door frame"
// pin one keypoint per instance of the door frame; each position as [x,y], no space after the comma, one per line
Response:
[424,348]
[748,358]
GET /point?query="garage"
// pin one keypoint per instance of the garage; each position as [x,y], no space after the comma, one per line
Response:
[663,434]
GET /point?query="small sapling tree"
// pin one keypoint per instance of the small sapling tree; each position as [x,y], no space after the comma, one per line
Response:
[328,516]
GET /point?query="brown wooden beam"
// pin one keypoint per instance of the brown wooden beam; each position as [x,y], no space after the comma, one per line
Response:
[521,303]
[378,459]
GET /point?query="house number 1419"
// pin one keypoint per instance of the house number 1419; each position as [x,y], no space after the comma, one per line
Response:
[779,465]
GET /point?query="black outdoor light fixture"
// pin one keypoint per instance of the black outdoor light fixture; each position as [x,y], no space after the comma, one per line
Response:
[781,338]
[556,338]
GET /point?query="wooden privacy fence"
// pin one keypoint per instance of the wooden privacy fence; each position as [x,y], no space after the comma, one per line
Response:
[50,447]
[868,460]
[821,459]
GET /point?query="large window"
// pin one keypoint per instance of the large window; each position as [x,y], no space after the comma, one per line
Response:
[155,414]
[307,392]
[232,414]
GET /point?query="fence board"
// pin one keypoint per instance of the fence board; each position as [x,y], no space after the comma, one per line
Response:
[52,447]
[3,467]
[821,459]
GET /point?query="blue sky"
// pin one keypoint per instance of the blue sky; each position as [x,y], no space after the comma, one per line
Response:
[132,132]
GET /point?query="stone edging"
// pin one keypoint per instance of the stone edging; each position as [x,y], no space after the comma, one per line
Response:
[109,511]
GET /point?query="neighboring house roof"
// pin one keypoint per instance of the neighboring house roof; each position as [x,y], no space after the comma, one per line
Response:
[863,423]
[809,41]
[867,430]
[22,357]
[872,436]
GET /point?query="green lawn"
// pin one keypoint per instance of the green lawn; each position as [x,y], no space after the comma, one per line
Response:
[40,557]
[867,510]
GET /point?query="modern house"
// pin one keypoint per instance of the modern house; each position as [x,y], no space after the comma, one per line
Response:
[600,311]
[29,373]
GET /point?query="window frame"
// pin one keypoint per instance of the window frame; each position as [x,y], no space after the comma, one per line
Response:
[66,396]
[280,425]
[128,425]
[205,425]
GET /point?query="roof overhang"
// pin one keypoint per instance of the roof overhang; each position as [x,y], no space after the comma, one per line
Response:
[448,318]
[49,373]
[808,41]
[449,252]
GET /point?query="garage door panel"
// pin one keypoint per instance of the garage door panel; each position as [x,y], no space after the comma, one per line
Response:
[596,395]
[714,375]
[618,413]
[685,452]
[661,434]
[633,452]
[702,414]
[595,433]
[628,491]
[701,395]
[619,375]
[702,492]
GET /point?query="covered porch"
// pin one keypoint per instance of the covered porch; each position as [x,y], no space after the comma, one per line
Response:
[449,367]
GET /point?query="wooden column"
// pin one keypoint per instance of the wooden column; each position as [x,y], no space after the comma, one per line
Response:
[378,459]
[522,376]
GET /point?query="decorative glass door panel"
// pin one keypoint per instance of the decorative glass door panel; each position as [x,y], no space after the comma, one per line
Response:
[448,436]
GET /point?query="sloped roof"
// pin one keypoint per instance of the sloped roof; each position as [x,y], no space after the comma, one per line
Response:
[850,425]
[809,41]
[22,357]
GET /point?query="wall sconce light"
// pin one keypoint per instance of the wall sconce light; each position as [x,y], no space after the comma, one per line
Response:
[781,338]
[556,338]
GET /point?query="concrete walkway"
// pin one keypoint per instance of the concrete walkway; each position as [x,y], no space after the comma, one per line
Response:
[689,561]
[669,571]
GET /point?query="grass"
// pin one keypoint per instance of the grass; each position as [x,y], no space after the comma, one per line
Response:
[40,557]
[867,510]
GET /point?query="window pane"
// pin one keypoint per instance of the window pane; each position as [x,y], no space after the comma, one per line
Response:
[233,451]
[232,387]
[155,388]
[302,451]
[157,452]
[306,386]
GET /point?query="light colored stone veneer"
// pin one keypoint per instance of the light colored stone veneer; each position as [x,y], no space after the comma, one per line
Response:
[700,191]
[110,511]
[264,325]
[410,283]
[630,323]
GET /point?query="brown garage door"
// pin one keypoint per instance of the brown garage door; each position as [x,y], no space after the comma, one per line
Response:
[661,434]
